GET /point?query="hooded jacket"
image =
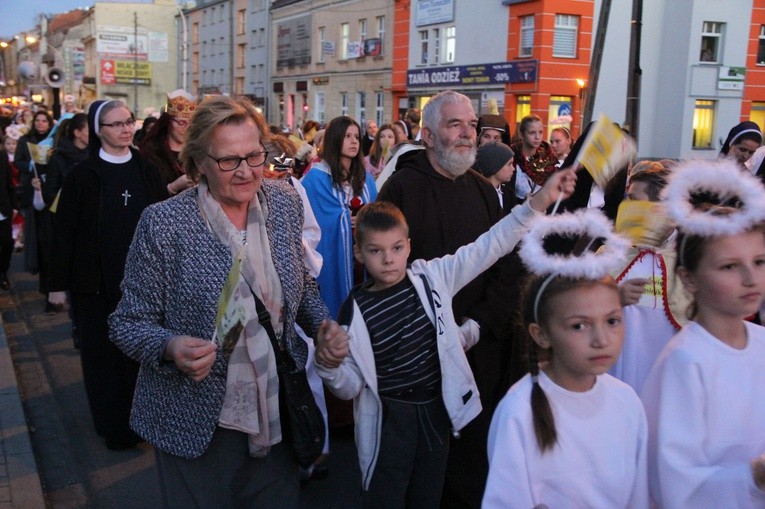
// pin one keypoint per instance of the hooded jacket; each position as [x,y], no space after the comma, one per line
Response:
[435,281]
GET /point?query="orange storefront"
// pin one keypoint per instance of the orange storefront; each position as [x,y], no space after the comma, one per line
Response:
[753,102]
[552,38]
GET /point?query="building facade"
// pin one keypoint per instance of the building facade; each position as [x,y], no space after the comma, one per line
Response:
[130,52]
[330,58]
[441,44]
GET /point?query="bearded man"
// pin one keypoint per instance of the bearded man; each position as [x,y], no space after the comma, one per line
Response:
[448,205]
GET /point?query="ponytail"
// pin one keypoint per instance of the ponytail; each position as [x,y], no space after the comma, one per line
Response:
[544,421]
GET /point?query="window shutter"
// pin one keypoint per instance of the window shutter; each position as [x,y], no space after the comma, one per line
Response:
[564,42]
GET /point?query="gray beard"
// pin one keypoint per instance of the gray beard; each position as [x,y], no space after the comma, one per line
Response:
[455,163]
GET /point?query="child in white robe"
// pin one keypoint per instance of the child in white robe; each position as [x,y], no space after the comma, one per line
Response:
[703,397]
[569,434]
[653,298]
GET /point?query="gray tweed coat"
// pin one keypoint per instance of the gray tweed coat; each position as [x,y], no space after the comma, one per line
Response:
[175,271]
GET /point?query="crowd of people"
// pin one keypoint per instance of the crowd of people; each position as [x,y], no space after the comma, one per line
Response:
[510,332]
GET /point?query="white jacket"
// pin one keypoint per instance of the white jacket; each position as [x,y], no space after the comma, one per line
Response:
[356,377]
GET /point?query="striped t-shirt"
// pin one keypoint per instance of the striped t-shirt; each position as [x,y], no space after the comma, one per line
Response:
[403,342]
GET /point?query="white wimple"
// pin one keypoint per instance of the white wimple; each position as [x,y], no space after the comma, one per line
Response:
[590,265]
[723,178]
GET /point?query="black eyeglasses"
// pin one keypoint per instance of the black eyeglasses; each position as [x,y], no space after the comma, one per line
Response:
[119,125]
[231,163]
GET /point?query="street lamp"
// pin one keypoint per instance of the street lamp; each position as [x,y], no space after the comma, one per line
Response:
[582,100]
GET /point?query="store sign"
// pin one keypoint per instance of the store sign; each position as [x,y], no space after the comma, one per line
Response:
[107,72]
[731,78]
[355,49]
[115,42]
[293,42]
[518,71]
[430,12]
[121,72]
[328,48]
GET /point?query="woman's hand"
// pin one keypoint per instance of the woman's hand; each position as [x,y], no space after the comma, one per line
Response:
[37,184]
[193,356]
[180,184]
[631,290]
[57,298]
[559,183]
[331,344]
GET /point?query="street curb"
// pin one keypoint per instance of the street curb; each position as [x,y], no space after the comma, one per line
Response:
[18,461]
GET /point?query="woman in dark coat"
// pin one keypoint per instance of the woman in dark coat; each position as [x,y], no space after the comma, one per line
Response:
[72,148]
[98,210]
[36,223]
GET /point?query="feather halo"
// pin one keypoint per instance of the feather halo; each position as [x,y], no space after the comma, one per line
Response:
[582,223]
[723,179]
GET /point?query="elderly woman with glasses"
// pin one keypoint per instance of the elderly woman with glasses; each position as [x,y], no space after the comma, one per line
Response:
[207,396]
[98,210]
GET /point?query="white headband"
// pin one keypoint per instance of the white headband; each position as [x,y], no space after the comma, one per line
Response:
[739,135]
[97,123]
[589,265]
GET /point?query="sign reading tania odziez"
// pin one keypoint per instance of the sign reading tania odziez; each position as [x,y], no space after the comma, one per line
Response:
[517,71]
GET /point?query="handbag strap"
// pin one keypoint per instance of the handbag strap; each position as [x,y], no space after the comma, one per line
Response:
[284,362]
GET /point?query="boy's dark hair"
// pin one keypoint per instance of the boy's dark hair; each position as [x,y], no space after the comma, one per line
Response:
[544,421]
[378,216]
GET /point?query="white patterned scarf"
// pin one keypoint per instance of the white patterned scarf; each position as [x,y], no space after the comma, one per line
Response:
[251,403]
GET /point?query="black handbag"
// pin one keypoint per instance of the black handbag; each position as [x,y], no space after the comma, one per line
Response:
[302,422]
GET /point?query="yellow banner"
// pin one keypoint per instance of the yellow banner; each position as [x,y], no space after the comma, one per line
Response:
[606,150]
[39,153]
[644,223]
[125,71]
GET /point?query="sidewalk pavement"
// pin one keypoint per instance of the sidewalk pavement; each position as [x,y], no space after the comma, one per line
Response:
[20,486]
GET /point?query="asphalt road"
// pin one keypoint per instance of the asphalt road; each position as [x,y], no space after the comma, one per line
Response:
[76,469]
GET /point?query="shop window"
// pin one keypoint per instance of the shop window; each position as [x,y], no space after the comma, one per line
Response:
[559,112]
[345,31]
[564,39]
[522,108]
[361,108]
[318,108]
[380,108]
[381,30]
[322,38]
[424,46]
[703,123]
[527,36]
[711,42]
[438,45]
[757,115]
[241,51]
[240,22]
[450,36]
